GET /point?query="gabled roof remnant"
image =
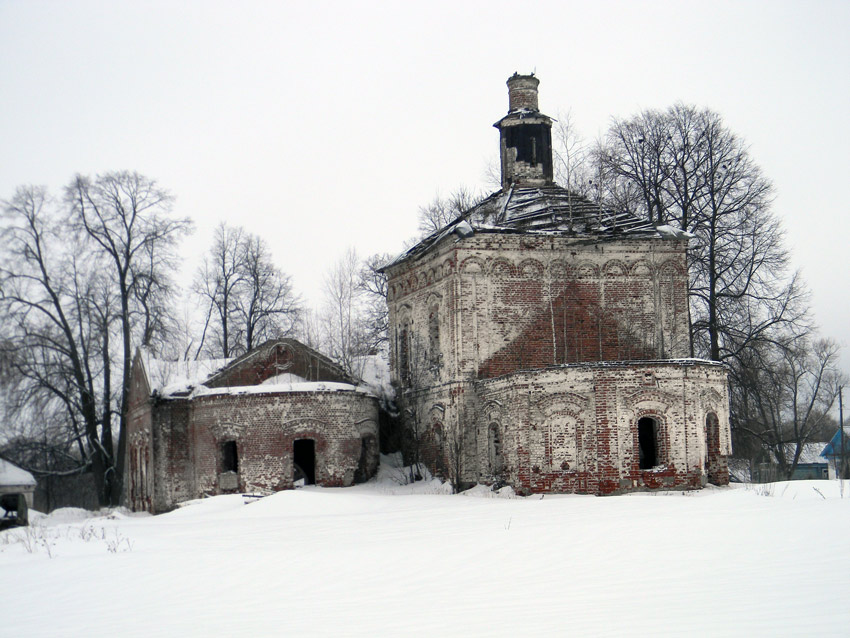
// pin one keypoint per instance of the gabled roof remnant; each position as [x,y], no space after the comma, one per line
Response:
[187,379]
[174,378]
[263,349]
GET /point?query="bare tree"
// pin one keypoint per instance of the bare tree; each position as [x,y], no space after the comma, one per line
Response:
[126,216]
[48,286]
[153,292]
[342,315]
[218,281]
[247,299]
[311,329]
[72,292]
[636,152]
[571,156]
[267,306]
[444,210]
[373,287]
[782,402]
[683,167]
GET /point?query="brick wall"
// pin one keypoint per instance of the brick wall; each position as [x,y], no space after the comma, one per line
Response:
[189,434]
[552,349]
[574,428]
[515,302]
[176,445]
[522,92]
[173,454]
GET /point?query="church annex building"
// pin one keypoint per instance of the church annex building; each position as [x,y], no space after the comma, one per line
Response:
[279,414]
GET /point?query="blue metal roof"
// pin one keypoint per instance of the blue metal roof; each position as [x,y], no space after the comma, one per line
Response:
[838,446]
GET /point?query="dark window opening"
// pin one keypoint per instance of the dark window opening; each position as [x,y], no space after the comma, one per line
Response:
[712,444]
[403,355]
[304,460]
[495,445]
[434,336]
[532,143]
[647,443]
[229,457]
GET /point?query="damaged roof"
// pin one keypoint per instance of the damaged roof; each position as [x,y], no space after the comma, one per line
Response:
[544,210]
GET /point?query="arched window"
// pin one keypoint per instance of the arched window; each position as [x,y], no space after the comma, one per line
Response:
[712,447]
[229,457]
[403,348]
[647,443]
[494,444]
[434,335]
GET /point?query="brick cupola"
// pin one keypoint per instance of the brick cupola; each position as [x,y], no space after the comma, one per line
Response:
[525,136]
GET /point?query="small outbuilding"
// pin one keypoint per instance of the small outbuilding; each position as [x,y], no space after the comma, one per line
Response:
[16,494]
[810,465]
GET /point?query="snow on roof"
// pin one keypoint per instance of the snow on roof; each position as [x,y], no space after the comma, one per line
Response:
[12,475]
[185,379]
[592,365]
[283,378]
[169,378]
[281,388]
[672,232]
[811,453]
[544,210]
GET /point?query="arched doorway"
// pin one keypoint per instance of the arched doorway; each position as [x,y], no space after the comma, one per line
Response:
[304,461]
[494,448]
[713,469]
[647,443]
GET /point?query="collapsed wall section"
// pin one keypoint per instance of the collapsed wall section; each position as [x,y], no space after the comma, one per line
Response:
[273,358]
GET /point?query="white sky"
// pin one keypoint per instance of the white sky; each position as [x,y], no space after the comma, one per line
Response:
[322,125]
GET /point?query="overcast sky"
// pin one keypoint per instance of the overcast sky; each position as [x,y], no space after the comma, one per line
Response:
[323,125]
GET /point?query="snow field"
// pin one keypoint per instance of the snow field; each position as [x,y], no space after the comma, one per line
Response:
[380,560]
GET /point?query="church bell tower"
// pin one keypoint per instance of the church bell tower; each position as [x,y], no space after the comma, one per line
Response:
[525,137]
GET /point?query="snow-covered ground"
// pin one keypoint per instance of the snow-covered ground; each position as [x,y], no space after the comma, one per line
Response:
[385,560]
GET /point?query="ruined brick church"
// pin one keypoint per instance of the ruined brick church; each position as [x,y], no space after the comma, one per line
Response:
[542,342]
[536,341]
